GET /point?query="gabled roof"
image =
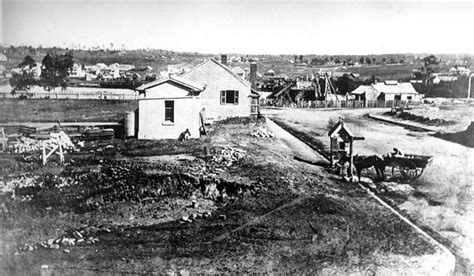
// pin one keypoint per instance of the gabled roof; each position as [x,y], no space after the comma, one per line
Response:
[238,70]
[338,128]
[447,78]
[175,79]
[398,88]
[254,93]
[246,83]
[364,89]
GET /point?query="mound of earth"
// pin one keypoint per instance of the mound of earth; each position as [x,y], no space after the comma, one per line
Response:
[421,119]
[463,137]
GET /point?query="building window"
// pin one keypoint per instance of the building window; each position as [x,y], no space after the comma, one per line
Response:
[169,111]
[409,98]
[230,97]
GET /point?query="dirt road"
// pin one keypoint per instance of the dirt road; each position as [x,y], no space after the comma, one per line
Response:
[443,196]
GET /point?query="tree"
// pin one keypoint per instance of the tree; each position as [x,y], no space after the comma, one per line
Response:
[368,60]
[22,81]
[301,58]
[429,63]
[361,60]
[27,61]
[55,69]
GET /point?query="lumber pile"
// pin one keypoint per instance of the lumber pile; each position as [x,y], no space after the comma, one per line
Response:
[26,145]
[98,134]
[262,132]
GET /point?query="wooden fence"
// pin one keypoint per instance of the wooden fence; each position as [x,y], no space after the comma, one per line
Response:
[72,96]
[342,104]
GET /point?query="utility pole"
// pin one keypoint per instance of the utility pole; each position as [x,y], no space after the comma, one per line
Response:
[469,87]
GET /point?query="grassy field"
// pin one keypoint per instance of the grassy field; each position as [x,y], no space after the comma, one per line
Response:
[16,110]
[263,213]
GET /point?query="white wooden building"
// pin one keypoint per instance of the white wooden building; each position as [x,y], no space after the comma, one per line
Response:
[168,107]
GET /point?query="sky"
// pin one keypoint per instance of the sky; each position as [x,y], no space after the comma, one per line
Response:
[244,26]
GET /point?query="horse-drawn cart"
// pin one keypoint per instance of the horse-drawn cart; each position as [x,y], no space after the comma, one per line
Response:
[408,166]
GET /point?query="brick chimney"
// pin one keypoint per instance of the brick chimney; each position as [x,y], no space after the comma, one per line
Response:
[253,73]
[224,59]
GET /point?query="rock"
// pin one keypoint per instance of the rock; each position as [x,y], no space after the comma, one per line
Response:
[67,251]
[67,241]
[186,219]
[194,216]
[77,235]
[223,217]
[80,241]
[50,241]
[54,246]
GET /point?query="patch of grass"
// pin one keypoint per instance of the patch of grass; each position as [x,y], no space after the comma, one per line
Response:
[35,110]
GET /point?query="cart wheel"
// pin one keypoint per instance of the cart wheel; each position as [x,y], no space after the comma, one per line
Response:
[399,171]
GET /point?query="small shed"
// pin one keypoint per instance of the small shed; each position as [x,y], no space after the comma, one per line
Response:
[168,107]
[341,143]
[365,93]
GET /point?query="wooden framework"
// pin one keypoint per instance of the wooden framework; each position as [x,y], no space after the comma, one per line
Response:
[50,148]
[341,138]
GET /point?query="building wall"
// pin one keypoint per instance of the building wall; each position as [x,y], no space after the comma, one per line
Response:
[404,97]
[151,112]
[151,118]
[216,79]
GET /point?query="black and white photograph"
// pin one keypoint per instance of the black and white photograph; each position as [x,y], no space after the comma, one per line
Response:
[307,137]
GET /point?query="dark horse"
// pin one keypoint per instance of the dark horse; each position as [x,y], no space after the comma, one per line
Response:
[366,161]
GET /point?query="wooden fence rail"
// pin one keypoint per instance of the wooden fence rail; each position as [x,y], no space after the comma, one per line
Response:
[342,104]
[72,95]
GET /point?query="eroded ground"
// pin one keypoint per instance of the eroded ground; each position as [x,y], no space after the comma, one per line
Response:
[165,207]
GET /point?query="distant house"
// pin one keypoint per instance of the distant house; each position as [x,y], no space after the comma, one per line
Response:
[2,69]
[441,78]
[386,91]
[168,107]
[239,72]
[365,93]
[395,91]
[459,70]
[270,73]
[125,67]
[3,57]
[226,94]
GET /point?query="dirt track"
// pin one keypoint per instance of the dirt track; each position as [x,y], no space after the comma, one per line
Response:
[443,197]
[137,208]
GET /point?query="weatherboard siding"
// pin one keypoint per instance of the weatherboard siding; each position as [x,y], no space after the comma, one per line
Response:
[152,124]
[216,79]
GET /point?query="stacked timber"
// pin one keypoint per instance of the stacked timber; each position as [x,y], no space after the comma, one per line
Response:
[98,134]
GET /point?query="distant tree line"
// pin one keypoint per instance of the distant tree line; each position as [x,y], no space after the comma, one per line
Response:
[54,71]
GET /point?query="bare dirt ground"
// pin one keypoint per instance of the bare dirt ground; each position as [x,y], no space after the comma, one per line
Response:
[442,197]
[167,207]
